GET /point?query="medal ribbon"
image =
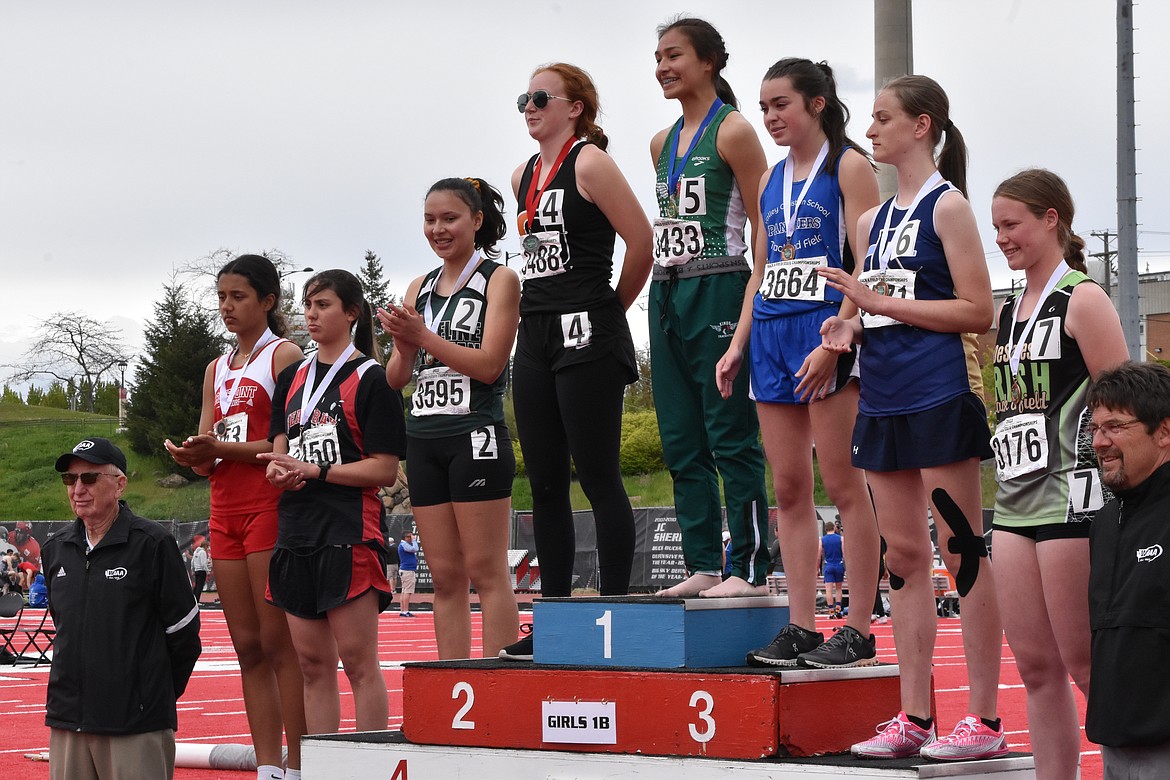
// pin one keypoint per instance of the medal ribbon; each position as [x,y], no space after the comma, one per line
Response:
[227,399]
[314,399]
[675,168]
[1016,349]
[791,208]
[532,197]
[885,242]
[433,318]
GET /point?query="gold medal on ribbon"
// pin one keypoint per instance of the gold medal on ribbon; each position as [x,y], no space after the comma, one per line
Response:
[882,288]
[788,252]
[1017,392]
[672,207]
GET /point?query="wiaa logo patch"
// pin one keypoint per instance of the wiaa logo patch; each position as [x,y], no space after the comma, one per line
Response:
[1149,554]
[83,446]
[116,574]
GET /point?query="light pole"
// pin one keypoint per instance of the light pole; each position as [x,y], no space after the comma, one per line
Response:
[122,396]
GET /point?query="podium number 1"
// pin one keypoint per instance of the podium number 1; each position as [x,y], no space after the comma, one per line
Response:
[606,622]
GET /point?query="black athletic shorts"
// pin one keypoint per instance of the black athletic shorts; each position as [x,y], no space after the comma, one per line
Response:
[475,466]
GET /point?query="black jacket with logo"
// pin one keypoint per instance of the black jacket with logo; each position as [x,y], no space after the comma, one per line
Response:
[1129,610]
[127,628]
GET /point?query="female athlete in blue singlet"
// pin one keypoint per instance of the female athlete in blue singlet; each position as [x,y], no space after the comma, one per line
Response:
[809,203]
[921,430]
[1053,339]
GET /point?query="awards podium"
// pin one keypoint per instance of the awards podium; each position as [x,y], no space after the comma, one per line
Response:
[637,687]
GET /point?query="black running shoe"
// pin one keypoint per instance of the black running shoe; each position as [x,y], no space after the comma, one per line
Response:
[845,649]
[788,644]
[522,650]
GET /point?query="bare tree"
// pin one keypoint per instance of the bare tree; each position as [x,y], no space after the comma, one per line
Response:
[73,348]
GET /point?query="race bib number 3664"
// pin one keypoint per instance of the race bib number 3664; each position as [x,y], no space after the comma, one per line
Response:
[794,280]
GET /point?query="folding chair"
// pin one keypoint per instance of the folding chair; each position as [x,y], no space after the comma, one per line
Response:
[39,639]
[11,606]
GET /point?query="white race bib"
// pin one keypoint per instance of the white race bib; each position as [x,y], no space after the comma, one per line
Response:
[441,391]
[676,241]
[233,428]
[1020,445]
[546,258]
[484,445]
[319,444]
[794,280]
[1084,490]
[576,329]
[896,283]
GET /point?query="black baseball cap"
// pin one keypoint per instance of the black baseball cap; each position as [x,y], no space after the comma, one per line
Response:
[94,450]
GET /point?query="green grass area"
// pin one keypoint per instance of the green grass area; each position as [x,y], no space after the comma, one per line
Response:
[31,438]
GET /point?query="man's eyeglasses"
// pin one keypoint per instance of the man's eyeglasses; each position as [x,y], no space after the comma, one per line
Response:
[1111,428]
[539,99]
[86,477]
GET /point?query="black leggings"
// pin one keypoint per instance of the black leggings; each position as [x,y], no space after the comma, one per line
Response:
[575,412]
[200,581]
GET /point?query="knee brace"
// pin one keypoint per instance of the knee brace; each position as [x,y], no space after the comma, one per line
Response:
[965,543]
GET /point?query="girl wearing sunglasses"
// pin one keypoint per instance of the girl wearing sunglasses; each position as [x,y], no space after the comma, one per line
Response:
[237,403]
[457,327]
[708,166]
[338,433]
[574,353]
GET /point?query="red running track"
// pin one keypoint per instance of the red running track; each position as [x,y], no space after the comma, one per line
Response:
[212,710]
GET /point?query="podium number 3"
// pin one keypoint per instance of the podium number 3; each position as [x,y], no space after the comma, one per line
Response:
[708,733]
[458,722]
[606,623]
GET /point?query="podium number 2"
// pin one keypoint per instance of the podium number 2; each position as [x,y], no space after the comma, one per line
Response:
[458,722]
[606,623]
[705,719]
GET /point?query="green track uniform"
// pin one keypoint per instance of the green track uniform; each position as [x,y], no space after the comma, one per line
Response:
[1047,469]
[700,274]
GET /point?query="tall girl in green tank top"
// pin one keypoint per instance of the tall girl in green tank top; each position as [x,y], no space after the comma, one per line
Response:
[457,325]
[708,165]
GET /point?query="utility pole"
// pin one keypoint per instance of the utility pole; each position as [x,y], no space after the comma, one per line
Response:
[893,39]
[1106,256]
[1127,272]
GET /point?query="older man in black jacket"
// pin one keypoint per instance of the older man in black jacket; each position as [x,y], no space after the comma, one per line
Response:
[1129,574]
[127,629]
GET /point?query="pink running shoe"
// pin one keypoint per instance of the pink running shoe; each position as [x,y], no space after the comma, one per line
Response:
[970,740]
[897,738]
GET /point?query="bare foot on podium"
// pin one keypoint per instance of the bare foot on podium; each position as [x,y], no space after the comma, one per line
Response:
[734,588]
[691,586]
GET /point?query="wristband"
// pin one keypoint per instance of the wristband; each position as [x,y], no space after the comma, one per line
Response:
[324,472]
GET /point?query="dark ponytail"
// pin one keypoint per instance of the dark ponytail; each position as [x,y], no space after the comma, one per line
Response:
[709,47]
[265,280]
[813,80]
[348,289]
[922,95]
[481,198]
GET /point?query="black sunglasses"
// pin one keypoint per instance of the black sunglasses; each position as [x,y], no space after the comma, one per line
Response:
[539,99]
[86,477]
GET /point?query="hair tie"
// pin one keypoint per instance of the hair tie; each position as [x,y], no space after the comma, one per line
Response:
[472,182]
[947,127]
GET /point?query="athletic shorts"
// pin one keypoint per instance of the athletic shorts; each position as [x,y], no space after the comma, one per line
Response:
[475,466]
[834,572]
[779,347]
[235,537]
[547,341]
[307,582]
[948,433]
[1043,533]
[408,578]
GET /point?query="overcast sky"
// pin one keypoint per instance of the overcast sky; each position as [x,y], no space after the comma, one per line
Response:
[138,136]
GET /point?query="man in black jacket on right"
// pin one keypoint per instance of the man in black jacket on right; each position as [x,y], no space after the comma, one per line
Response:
[127,629]
[1129,574]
